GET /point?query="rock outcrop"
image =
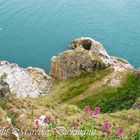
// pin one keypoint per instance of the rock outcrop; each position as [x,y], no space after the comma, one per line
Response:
[25,82]
[4,89]
[85,55]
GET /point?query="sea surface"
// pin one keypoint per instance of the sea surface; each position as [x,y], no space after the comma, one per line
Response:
[32,31]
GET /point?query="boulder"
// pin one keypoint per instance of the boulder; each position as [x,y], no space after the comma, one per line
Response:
[85,55]
[72,63]
[4,89]
[30,82]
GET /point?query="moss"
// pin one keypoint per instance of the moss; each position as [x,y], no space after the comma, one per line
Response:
[3,76]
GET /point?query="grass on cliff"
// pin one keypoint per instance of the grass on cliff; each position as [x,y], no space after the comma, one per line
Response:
[78,91]
[3,103]
[68,89]
[111,100]
[77,86]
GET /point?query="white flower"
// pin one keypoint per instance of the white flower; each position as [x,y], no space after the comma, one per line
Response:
[9,120]
[42,117]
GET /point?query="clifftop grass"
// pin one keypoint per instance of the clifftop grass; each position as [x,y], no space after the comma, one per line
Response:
[57,103]
[66,90]
[111,100]
[88,89]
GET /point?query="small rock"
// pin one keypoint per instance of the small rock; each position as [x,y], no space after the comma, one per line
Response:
[4,89]
[136,106]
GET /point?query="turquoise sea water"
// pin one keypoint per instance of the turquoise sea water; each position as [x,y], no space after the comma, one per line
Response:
[32,31]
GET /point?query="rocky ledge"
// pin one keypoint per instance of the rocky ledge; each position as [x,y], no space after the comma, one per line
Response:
[84,55]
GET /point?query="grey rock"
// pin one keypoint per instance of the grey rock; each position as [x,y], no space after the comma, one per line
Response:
[136,106]
[30,82]
[4,89]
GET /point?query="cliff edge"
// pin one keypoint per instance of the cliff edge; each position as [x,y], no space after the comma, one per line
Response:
[85,55]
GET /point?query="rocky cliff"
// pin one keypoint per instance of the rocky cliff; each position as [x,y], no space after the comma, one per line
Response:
[86,55]
[98,72]
[25,82]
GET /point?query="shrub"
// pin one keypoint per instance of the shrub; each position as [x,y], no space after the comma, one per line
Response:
[111,100]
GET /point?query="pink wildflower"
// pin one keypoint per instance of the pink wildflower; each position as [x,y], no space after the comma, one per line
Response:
[96,111]
[106,127]
[87,109]
[46,119]
[119,132]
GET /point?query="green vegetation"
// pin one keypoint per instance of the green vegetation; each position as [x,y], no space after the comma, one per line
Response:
[62,107]
[3,103]
[137,135]
[69,89]
[111,100]
[71,116]
[12,116]
[80,84]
